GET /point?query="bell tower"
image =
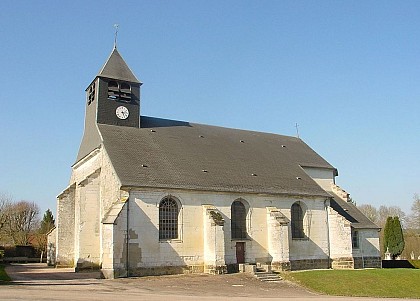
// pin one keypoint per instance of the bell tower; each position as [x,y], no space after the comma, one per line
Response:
[117,92]
[113,98]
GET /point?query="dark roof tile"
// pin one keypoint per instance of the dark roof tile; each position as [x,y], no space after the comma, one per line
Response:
[116,68]
[176,157]
[350,212]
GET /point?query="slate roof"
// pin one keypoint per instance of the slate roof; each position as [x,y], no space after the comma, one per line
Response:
[350,212]
[116,68]
[175,154]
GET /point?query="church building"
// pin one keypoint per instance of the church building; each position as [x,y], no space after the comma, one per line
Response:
[150,196]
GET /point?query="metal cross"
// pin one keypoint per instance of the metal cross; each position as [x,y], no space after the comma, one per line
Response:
[116,34]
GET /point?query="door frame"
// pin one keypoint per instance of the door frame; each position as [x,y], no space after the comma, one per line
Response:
[240,248]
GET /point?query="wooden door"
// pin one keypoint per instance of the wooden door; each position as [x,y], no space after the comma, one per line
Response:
[240,252]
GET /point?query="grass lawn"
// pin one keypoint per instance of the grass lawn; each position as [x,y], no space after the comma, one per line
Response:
[3,275]
[415,263]
[396,283]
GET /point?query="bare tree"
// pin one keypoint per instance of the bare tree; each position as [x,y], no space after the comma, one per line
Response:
[5,203]
[370,211]
[414,218]
[21,218]
[392,211]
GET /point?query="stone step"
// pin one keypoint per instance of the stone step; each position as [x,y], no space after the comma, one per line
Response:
[270,280]
[267,277]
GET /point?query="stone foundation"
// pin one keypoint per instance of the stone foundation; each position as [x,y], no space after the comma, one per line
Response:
[64,265]
[215,270]
[342,263]
[367,262]
[113,273]
[167,270]
[280,266]
[247,268]
[84,265]
[309,264]
[232,268]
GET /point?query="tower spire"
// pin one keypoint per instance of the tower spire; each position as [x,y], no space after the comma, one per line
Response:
[116,35]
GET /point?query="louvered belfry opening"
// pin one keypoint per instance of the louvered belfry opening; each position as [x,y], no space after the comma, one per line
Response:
[168,219]
[297,221]
[125,92]
[238,220]
[120,91]
[91,93]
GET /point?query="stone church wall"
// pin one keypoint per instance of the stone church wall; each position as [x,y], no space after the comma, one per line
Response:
[85,175]
[96,189]
[114,246]
[88,226]
[114,235]
[110,184]
[148,255]
[340,237]
[65,227]
[312,251]
[323,177]
[368,253]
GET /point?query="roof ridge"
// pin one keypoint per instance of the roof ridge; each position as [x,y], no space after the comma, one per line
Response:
[224,127]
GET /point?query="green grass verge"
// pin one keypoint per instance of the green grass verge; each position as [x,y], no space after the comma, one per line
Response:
[392,283]
[3,274]
[415,263]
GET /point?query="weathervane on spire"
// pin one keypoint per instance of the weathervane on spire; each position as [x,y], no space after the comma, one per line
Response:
[116,34]
[297,129]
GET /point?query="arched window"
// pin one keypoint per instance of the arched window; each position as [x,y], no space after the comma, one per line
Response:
[168,219]
[238,220]
[297,221]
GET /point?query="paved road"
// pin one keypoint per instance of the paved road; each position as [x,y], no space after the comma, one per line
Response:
[38,282]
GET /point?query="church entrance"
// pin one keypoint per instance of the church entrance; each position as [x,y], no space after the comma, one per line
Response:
[240,252]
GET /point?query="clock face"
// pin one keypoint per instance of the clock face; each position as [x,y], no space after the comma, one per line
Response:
[122,112]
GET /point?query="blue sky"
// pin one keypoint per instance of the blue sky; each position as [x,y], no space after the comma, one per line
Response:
[348,72]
